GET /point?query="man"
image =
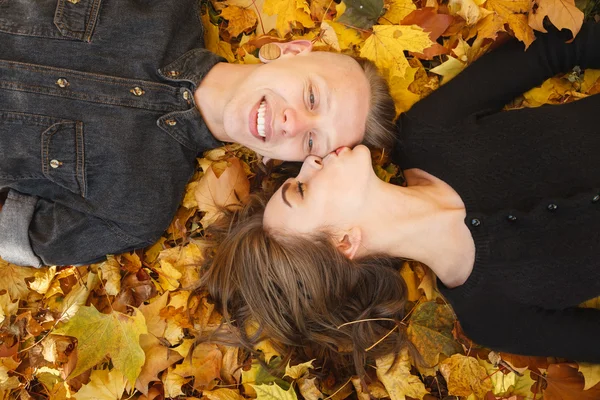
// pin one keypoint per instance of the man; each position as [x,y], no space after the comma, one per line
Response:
[104,106]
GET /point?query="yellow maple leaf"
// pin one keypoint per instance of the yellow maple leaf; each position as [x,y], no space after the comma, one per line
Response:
[110,270]
[465,376]
[158,359]
[43,279]
[347,38]
[403,97]
[12,279]
[563,14]
[99,334]
[449,69]
[397,379]
[239,19]
[386,46]
[591,374]
[226,190]
[513,12]
[204,364]
[469,10]
[289,12]
[396,10]
[213,42]
[173,382]
[103,385]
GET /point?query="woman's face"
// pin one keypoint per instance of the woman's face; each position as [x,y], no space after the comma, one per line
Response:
[328,193]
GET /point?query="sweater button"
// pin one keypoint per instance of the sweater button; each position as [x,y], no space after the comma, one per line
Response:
[552,207]
[511,218]
[596,198]
[475,222]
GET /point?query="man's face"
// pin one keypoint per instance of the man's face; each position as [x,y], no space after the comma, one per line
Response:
[298,105]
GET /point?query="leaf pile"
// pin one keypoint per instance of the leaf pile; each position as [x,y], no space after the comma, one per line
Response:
[127,327]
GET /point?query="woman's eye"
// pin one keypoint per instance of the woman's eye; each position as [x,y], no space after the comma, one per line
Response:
[311,98]
[300,187]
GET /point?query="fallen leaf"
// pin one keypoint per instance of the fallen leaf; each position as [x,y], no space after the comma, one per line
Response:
[230,189]
[173,382]
[430,330]
[396,10]
[158,358]
[289,13]
[361,13]
[239,19]
[7,306]
[274,392]
[110,270]
[397,379]
[204,364]
[103,385]
[465,376]
[43,279]
[564,382]
[591,374]
[513,13]
[386,46]
[449,69]
[12,279]
[213,41]
[299,370]
[223,394]
[308,389]
[562,13]
[101,334]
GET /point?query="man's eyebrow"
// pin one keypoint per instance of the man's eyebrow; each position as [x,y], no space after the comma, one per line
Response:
[284,188]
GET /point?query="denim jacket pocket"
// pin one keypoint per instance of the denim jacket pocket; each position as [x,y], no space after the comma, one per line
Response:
[42,147]
[56,19]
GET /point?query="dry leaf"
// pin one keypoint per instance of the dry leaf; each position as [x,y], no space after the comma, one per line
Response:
[239,19]
[397,379]
[103,385]
[465,376]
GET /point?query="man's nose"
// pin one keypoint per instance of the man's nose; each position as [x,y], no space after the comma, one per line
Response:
[295,122]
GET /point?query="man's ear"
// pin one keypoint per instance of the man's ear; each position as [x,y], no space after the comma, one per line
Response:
[292,48]
[349,242]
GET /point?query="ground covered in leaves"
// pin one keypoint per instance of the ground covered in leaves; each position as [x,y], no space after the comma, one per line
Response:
[127,327]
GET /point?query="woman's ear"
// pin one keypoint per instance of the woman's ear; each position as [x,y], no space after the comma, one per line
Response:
[272,51]
[349,241]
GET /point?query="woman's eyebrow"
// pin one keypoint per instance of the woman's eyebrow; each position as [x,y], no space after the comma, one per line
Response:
[284,188]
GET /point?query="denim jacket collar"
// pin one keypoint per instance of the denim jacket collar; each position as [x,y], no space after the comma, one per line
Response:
[188,127]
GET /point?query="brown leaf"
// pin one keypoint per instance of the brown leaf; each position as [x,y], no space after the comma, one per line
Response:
[239,19]
[562,13]
[158,358]
[204,364]
[564,382]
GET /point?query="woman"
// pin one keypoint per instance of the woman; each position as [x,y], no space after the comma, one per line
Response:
[503,206]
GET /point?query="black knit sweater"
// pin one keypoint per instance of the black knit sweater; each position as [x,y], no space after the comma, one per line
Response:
[530,180]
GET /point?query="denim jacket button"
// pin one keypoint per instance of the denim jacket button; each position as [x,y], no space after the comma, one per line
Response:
[137,91]
[173,74]
[186,95]
[62,82]
[55,163]
[171,122]
[73,1]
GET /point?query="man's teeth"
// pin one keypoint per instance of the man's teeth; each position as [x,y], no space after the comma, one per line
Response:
[260,120]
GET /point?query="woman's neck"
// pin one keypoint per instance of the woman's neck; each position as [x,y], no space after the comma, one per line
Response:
[423,221]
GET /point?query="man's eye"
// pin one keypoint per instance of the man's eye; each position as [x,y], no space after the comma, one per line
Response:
[310,142]
[311,98]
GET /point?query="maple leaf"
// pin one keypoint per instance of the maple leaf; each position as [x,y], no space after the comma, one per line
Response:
[396,10]
[361,14]
[562,13]
[345,38]
[158,358]
[508,384]
[289,12]
[308,389]
[113,334]
[173,382]
[43,279]
[154,323]
[68,305]
[12,279]
[103,385]
[111,271]
[239,19]
[204,364]
[397,379]
[274,392]
[299,370]
[214,42]
[566,383]
[469,10]
[465,376]
[386,46]
[430,330]
[512,12]
[226,190]
[223,394]
[591,374]
[449,69]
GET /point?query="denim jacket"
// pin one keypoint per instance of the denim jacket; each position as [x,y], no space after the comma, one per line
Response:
[99,131]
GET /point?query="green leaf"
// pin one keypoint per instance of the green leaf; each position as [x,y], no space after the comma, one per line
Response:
[274,392]
[113,334]
[362,13]
[430,329]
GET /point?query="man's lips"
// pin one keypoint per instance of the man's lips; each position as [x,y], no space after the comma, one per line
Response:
[253,119]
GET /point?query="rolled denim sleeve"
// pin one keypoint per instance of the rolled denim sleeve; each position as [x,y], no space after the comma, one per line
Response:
[15,218]
[40,232]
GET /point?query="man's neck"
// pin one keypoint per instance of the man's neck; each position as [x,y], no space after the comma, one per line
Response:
[215,91]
